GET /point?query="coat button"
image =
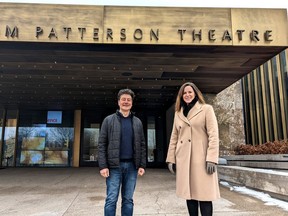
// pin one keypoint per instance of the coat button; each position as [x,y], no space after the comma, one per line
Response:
[181,141]
[189,140]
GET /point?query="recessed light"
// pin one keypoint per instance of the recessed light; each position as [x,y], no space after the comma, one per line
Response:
[126,74]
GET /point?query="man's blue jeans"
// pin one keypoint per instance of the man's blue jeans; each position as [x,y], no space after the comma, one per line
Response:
[125,177]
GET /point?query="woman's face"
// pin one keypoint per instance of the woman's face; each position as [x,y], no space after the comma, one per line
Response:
[188,94]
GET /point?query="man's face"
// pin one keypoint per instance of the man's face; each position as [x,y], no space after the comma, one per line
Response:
[125,102]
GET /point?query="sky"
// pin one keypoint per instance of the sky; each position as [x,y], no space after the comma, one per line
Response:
[169,3]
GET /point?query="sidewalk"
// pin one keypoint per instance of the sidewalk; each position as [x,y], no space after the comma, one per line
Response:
[81,192]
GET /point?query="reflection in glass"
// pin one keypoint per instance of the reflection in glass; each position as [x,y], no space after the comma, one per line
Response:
[59,138]
[1,125]
[33,143]
[56,158]
[9,146]
[31,157]
[52,145]
[90,146]
[151,140]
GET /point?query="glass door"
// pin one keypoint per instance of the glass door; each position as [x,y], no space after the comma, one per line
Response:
[90,145]
[151,140]
[89,140]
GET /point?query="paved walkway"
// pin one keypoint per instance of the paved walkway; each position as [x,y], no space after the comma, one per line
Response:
[81,192]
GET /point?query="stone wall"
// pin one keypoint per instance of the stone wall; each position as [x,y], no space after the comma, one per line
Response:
[228,108]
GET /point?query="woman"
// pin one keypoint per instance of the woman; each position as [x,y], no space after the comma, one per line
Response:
[194,148]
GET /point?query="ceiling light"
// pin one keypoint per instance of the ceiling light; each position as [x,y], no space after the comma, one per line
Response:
[126,74]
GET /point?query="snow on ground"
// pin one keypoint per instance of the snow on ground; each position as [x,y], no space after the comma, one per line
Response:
[259,195]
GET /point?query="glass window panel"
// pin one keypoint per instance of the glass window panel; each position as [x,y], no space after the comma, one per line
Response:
[90,145]
[29,158]
[151,140]
[33,143]
[58,138]
[54,158]
[9,143]
[35,137]
[1,127]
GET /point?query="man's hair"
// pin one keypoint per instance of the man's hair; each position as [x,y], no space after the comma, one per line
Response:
[126,91]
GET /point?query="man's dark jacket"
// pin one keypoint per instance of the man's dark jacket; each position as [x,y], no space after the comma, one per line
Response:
[110,138]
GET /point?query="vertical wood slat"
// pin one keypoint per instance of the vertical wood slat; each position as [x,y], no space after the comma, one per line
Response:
[257,108]
[264,99]
[246,110]
[76,144]
[252,120]
[272,96]
[286,94]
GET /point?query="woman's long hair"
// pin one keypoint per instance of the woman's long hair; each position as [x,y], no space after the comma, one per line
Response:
[179,99]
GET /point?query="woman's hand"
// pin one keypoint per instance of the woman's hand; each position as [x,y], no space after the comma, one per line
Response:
[210,167]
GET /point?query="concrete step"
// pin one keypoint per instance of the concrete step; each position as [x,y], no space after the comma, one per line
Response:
[274,182]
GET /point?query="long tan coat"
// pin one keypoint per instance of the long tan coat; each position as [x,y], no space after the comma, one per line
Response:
[194,140]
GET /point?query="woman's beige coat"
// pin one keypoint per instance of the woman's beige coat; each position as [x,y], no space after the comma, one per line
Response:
[194,140]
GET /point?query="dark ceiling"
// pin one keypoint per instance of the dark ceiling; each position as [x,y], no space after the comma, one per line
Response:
[88,76]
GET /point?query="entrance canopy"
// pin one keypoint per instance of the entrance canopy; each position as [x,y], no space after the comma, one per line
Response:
[74,57]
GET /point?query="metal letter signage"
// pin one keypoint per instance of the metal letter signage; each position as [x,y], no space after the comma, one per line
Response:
[13,33]
[138,34]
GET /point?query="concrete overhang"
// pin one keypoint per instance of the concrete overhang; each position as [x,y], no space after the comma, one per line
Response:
[70,57]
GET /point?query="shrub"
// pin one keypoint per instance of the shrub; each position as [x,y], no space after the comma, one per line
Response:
[276,147]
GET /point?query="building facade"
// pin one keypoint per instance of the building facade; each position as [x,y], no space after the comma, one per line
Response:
[61,67]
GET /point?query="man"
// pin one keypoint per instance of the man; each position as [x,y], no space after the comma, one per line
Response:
[122,154]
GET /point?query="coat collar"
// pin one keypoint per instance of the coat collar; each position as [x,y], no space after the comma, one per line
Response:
[193,112]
